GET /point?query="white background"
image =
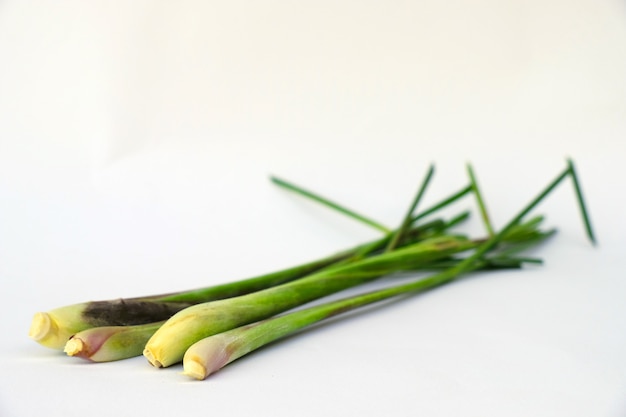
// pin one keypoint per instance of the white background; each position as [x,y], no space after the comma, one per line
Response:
[136,139]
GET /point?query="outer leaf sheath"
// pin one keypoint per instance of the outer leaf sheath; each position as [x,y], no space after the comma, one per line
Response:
[170,342]
[110,343]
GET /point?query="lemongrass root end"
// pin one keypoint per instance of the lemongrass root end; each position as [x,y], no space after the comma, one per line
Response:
[152,359]
[74,346]
[40,327]
[195,369]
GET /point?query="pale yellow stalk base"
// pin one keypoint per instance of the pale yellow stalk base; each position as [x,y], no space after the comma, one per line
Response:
[167,345]
[195,369]
[54,328]
[209,355]
[40,327]
[45,331]
[152,358]
[74,346]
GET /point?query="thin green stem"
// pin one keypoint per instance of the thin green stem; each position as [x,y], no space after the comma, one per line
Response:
[328,203]
[479,200]
[316,197]
[406,222]
[245,286]
[212,353]
[496,262]
[425,230]
[474,261]
[460,218]
[581,202]
[169,343]
[438,206]
[494,240]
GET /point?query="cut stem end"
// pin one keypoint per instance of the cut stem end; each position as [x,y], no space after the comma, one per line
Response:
[195,369]
[40,327]
[74,347]
[152,359]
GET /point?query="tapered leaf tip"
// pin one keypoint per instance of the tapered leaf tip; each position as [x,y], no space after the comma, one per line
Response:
[273,178]
[581,202]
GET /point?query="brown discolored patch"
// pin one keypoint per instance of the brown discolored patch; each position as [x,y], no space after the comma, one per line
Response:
[129,312]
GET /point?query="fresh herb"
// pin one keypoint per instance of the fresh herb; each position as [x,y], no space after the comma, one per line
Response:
[209,327]
[214,352]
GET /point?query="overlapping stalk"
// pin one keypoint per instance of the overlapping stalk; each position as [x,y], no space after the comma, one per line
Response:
[215,325]
[103,344]
[214,352]
[134,318]
[54,328]
[109,343]
[169,343]
[210,354]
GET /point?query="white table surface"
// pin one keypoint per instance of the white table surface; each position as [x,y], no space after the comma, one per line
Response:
[136,142]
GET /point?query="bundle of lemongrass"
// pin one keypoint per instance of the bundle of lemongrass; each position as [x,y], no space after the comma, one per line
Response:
[210,327]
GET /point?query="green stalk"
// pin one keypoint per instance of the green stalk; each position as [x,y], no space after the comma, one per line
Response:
[444,203]
[212,353]
[170,342]
[493,241]
[331,204]
[479,199]
[315,197]
[406,222]
[54,328]
[111,343]
[581,201]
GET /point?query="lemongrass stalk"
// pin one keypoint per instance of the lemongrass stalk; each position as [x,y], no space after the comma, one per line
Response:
[365,220]
[113,343]
[89,341]
[168,344]
[491,264]
[54,328]
[213,352]
[494,240]
[110,343]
